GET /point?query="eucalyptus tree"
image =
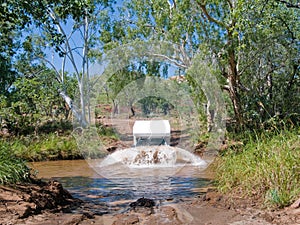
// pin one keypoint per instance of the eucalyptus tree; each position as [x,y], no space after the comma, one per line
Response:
[206,26]
[233,33]
[270,62]
[11,21]
[68,31]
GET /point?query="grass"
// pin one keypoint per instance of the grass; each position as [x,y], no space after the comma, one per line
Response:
[266,168]
[12,169]
[16,151]
[41,148]
[54,146]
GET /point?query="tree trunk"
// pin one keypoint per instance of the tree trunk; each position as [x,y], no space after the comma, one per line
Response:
[233,82]
[79,114]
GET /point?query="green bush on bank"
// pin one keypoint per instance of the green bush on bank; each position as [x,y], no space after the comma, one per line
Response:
[15,151]
[52,146]
[12,169]
[46,147]
[267,168]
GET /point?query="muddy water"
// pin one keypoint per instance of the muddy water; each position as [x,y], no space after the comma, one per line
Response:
[63,168]
[85,183]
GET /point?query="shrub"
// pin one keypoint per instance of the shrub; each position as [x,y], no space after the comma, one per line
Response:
[46,147]
[12,169]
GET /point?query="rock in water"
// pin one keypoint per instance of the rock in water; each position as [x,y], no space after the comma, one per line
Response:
[143,202]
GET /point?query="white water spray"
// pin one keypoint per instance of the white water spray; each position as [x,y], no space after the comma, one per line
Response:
[153,156]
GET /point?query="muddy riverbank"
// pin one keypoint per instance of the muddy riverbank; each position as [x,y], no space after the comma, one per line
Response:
[48,203]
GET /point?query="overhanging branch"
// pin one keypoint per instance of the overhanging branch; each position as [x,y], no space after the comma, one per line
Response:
[170,60]
[209,17]
[53,67]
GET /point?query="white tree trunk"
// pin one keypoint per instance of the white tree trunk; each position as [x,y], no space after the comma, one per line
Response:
[79,114]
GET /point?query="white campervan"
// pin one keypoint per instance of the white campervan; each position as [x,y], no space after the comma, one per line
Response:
[151,132]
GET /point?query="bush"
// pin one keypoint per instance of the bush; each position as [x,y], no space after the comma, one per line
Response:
[46,147]
[267,168]
[12,169]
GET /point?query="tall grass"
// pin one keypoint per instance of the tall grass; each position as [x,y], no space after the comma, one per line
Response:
[12,169]
[46,147]
[267,168]
[57,147]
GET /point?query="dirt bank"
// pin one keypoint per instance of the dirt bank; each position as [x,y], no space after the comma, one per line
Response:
[49,203]
[21,201]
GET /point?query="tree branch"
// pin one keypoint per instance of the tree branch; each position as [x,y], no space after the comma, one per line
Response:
[288,28]
[209,17]
[170,60]
[52,65]
[185,58]
[289,4]
[230,4]
[61,30]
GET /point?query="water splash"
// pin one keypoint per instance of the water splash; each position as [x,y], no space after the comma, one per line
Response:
[148,160]
[153,156]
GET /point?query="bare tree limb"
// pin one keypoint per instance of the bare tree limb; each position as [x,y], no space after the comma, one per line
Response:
[58,78]
[170,60]
[61,30]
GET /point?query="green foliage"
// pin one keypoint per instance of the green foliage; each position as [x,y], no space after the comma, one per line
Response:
[33,100]
[270,57]
[7,75]
[45,147]
[12,169]
[67,29]
[155,105]
[255,44]
[105,131]
[89,143]
[11,21]
[266,167]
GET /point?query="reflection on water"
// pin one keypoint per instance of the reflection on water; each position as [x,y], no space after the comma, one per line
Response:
[84,183]
[100,190]
[63,168]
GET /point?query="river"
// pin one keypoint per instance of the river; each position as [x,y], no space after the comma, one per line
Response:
[85,180]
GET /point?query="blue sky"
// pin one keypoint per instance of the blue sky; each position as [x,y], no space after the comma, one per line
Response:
[76,41]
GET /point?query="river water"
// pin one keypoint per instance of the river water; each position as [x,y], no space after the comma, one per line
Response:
[115,182]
